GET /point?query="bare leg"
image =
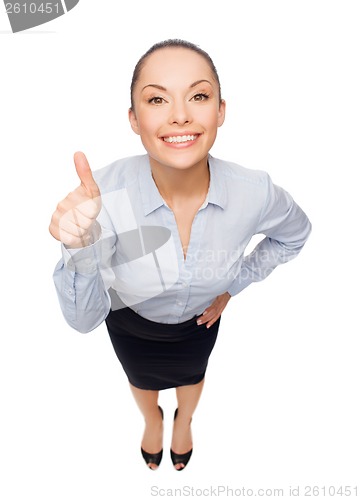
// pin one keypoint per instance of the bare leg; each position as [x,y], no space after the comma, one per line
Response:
[188,397]
[147,402]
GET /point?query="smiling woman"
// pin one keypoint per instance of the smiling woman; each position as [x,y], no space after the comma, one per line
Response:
[154,244]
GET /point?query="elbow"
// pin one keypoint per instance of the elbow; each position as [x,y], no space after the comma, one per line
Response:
[302,237]
[84,323]
[84,330]
[81,327]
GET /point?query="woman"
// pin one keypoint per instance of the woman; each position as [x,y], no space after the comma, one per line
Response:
[154,244]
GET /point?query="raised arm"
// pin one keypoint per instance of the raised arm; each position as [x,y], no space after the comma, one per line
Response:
[87,247]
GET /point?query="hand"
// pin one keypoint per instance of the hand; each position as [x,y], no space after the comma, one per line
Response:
[213,312]
[75,216]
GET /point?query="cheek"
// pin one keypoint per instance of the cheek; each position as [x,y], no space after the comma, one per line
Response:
[209,117]
[149,122]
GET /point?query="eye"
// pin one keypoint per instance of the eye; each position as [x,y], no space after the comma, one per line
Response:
[156,100]
[200,97]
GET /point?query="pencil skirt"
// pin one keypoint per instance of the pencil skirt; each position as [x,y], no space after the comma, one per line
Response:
[158,356]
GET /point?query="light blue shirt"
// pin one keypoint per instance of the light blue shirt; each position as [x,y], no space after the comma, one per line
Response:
[137,259]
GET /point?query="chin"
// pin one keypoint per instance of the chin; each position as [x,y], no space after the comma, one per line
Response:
[179,162]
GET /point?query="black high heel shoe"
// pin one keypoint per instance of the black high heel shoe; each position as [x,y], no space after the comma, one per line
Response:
[153,458]
[180,458]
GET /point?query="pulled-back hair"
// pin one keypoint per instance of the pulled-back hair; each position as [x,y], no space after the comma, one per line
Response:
[175,42]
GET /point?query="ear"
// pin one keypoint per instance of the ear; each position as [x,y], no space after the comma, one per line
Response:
[133,121]
[221,113]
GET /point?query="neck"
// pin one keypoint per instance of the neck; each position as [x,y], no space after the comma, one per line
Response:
[177,186]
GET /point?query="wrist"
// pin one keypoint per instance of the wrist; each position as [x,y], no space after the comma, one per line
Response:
[87,239]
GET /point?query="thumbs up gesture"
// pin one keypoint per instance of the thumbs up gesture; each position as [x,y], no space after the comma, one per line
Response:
[74,217]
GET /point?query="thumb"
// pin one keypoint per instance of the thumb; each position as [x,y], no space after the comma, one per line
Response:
[85,174]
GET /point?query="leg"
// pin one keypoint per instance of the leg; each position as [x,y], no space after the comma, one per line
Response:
[147,402]
[187,397]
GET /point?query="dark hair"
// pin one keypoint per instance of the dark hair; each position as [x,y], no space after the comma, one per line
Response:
[175,42]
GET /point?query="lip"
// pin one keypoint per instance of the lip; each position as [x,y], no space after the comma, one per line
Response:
[180,145]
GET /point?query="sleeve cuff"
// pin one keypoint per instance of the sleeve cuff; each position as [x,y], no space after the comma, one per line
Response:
[84,260]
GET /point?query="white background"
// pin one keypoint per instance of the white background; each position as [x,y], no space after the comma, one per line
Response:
[280,406]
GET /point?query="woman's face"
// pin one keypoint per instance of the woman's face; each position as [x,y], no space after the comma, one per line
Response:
[176,108]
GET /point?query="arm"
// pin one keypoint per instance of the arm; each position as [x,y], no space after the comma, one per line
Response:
[286,229]
[84,274]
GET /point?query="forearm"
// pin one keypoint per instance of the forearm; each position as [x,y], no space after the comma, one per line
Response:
[79,282]
[260,263]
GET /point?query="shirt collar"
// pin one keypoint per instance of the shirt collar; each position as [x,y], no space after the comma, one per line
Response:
[151,198]
[217,184]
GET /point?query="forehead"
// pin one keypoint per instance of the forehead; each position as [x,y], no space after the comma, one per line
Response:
[173,65]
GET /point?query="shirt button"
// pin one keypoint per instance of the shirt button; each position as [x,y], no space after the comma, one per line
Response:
[184,284]
[70,291]
[180,303]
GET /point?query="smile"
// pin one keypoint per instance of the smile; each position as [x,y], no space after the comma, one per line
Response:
[180,138]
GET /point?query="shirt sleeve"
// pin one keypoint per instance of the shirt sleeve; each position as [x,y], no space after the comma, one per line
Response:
[82,279]
[286,228]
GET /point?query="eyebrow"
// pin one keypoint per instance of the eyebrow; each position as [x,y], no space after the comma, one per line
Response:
[160,87]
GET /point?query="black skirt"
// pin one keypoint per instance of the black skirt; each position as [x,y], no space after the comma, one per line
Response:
[158,356]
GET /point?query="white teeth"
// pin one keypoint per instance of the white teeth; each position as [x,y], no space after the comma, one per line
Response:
[180,138]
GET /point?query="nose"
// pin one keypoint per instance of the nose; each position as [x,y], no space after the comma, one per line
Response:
[180,113]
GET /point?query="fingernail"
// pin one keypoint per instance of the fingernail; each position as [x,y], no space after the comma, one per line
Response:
[199,322]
